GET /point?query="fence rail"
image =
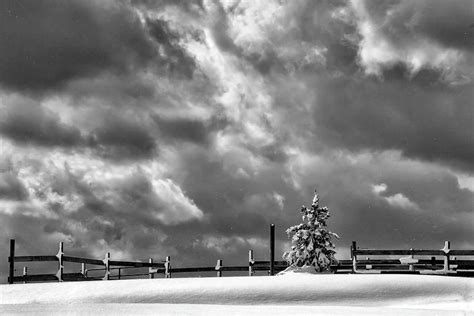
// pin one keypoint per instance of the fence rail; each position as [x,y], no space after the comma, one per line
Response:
[442,261]
[448,265]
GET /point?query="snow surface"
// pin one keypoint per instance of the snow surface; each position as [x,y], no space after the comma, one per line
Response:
[292,293]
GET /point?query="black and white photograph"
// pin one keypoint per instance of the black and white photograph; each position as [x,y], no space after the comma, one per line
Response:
[237,157]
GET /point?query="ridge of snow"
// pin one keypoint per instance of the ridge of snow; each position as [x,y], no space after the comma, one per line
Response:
[440,292]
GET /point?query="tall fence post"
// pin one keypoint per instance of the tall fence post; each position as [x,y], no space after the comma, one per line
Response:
[25,273]
[11,260]
[354,256]
[446,249]
[168,267]
[251,262]
[150,269]
[218,267]
[107,266]
[60,255]
[272,249]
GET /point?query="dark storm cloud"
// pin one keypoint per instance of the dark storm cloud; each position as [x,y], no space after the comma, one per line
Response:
[47,43]
[183,129]
[28,123]
[11,188]
[431,123]
[121,138]
[447,23]
[190,130]
[173,59]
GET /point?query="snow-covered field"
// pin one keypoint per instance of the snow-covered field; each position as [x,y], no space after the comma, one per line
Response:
[296,293]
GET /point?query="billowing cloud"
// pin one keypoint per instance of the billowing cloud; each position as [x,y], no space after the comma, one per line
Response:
[27,122]
[420,35]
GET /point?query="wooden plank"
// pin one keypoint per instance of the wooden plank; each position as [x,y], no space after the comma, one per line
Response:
[136,264]
[460,261]
[397,252]
[35,258]
[261,268]
[235,268]
[198,269]
[461,252]
[35,278]
[465,266]
[378,261]
[343,262]
[73,277]
[429,261]
[386,267]
[465,273]
[421,252]
[83,260]
[400,272]
[257,262]
[130,275]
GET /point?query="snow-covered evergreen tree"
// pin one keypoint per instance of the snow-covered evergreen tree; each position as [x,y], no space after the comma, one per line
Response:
[311,240]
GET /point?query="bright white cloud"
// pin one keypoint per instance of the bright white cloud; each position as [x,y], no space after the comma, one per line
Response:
[175,206]
[379,188]
[397,200]
[401,201]
[466,181]
[279,199]
[378,50]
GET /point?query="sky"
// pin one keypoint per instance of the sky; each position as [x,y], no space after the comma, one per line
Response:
[184,128]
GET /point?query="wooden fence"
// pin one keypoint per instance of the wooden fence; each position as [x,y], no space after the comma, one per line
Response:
[444,261]
[107,266]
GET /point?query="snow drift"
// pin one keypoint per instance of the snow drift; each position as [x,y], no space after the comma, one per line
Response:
[300,289]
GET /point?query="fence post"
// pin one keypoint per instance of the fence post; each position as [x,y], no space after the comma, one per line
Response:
[446,248]
[218,267]
[59,255]
[11,260]
[168,267]
[150,269]
[251,262]
[25,273]
[107,266]
[84,270]
[411,267]
[272,249]
[354,256]
[433,263]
